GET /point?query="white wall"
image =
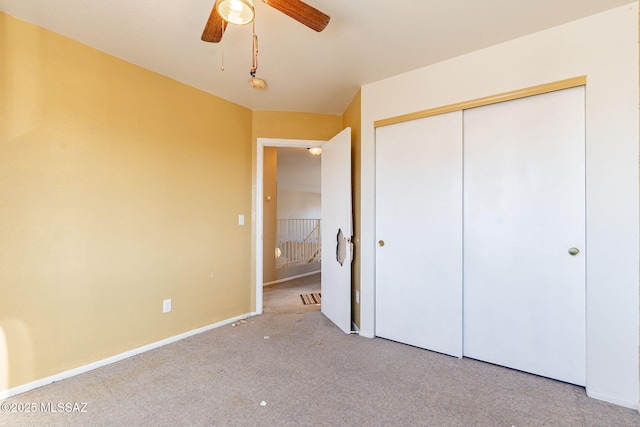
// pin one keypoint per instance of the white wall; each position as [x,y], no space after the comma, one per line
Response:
[603,47]
[294,204]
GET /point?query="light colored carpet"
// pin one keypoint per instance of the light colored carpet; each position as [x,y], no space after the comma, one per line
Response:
[285,297]
[307,372]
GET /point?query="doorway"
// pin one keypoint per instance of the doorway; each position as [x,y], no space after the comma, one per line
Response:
[292,212]
[291,230]
[336,221]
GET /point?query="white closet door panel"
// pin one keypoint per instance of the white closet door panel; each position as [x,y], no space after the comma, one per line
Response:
[419,218]
[524,208]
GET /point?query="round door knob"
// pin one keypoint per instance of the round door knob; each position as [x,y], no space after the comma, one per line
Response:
[574,251]
[380,242]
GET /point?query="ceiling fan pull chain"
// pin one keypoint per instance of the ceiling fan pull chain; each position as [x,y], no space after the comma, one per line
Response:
[222,50]
[255,54]
[254,47]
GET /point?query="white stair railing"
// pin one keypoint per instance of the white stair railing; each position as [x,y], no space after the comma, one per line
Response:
[298,242]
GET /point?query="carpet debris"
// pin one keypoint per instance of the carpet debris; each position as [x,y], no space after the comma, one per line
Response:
[242,322]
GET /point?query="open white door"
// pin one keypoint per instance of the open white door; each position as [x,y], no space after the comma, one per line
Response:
[336,228]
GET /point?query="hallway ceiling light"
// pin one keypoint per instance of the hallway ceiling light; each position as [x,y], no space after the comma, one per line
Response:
[316,151]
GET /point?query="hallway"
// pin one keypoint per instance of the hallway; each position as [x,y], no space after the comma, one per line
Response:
[285,297]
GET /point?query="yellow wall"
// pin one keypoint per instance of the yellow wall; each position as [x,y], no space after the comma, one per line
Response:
[352,118]
[119,188]
[289,125]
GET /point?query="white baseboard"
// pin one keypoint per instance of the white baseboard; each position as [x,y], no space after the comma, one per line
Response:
[613,399]
[286,279]
[113,359]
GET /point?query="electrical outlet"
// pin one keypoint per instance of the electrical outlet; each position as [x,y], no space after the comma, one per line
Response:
[240,219]
[357,297]
[166,305]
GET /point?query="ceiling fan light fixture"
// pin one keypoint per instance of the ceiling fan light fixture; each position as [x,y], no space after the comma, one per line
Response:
[257,83]
[239,12]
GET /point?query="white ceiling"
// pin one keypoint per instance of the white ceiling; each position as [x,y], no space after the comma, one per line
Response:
[298,170]
[365,41]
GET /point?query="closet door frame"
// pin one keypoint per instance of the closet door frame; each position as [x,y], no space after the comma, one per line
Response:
[494,99]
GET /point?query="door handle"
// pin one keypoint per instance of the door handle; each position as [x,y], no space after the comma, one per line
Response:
[574,251]
[380,242]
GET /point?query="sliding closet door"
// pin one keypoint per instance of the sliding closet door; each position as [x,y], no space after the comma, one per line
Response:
[419,233]
[524,238]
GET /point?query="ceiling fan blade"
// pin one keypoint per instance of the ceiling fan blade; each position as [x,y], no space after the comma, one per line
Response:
[215,27]
[301,12]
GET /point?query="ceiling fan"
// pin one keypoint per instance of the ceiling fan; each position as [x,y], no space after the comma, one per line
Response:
[241,12]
